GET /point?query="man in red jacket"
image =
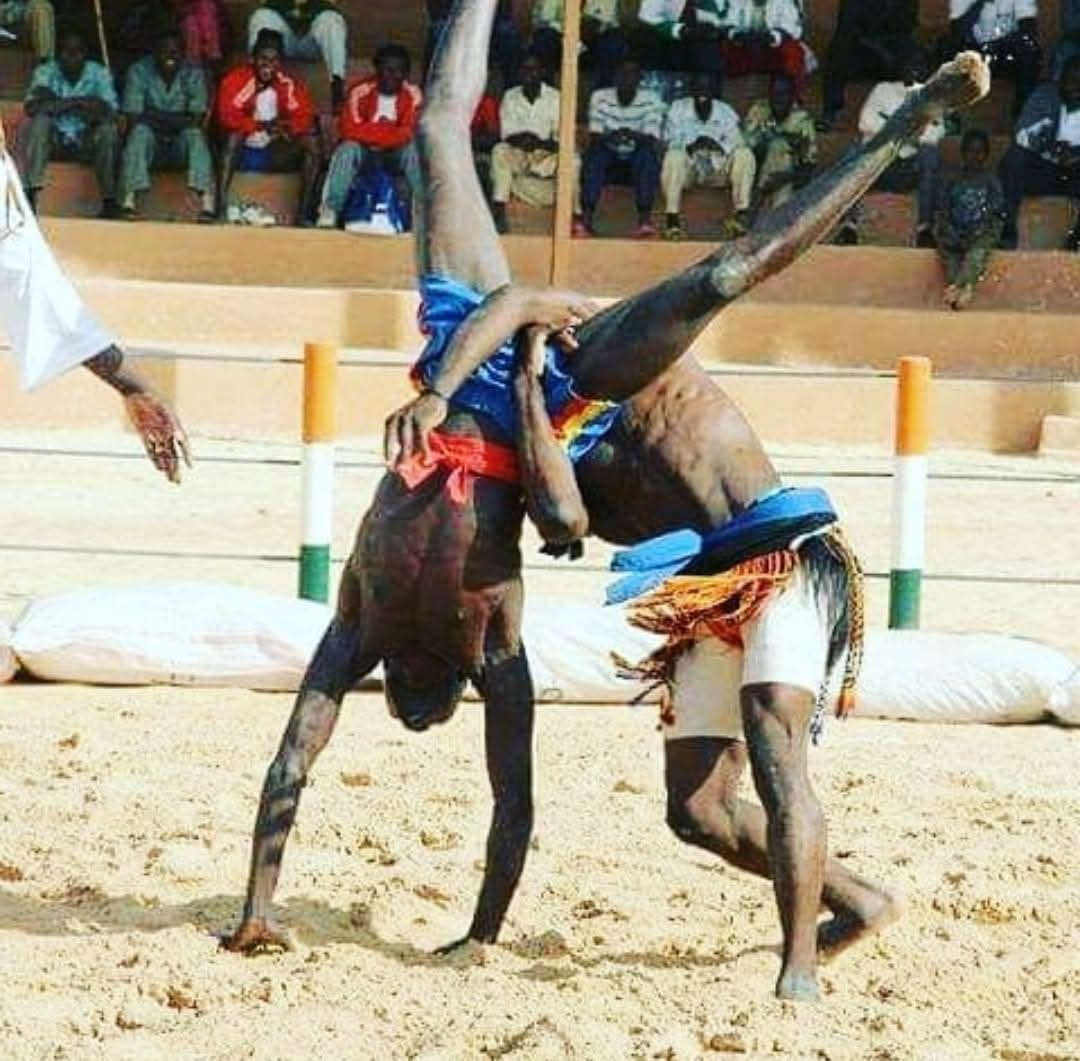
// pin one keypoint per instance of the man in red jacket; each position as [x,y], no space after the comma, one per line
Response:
[378,123]
[268,120]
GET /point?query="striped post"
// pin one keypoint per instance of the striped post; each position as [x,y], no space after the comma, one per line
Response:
[909,492]
[317,469]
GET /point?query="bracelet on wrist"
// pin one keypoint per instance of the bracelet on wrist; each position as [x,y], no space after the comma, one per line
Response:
[436,393]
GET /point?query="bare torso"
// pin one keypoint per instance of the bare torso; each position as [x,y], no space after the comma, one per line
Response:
[681,455]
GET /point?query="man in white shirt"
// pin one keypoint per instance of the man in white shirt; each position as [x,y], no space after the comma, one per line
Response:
[1045,157]
[1007,33]
[603,43]
[525,160]
[679,35]
[624,138]
[764,37]
[916,166]
[50,330]
[704,146]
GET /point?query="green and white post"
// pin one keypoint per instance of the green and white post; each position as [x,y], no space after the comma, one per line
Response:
[909,492]
[317,469]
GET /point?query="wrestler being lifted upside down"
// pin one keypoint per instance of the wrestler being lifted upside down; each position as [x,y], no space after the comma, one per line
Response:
[625,438]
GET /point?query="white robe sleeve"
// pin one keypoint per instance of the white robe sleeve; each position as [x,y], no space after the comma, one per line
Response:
[48,326]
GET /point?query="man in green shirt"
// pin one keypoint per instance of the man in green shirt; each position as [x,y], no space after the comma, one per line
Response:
[781,134]
[71,103]
[165,102]
[37,22]
[310,29]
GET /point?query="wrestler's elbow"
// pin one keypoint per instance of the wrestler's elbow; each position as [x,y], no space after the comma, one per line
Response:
[562,522]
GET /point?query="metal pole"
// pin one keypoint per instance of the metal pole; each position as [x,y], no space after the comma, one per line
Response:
[317,469]
[909,492]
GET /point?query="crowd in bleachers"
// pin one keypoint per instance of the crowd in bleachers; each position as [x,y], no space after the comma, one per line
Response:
[184,91]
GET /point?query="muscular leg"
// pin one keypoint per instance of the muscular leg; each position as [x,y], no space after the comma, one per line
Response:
[341,659]
[629,344]
[455,233]
[777,723]
[702,775]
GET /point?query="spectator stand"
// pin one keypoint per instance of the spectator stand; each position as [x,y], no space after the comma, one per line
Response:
[72,192]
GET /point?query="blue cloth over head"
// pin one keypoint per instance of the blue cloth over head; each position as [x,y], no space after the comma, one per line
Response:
[579,422]
[772,522]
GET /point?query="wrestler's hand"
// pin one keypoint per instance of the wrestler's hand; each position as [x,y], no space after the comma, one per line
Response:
[258,937]
[406,432]
[165,440]
[556,311]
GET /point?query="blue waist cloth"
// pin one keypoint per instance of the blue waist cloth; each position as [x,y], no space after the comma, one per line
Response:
[771,522]
[444,304]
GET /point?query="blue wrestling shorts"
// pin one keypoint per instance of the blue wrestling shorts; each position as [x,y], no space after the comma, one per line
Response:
[579,423]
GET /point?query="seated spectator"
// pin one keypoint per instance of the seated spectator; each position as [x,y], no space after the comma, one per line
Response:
[165,104]
[484,131]
[624,130]
[603,42]
[32,21]
[524,162]
[704,146]
[71,103]
[504,49]
[267,118]
[916,166]
[764,37]
[679,35]
[969,220]
[309,29]
[205,30]
[1007,33]
[1045,157]
[784,141]
[869,43]
[1069,41]
[378,124]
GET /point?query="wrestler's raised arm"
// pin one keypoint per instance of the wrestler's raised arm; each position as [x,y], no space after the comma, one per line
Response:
[502,314]
[552,498]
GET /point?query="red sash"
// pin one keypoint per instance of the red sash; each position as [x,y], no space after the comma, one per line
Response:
[467,458]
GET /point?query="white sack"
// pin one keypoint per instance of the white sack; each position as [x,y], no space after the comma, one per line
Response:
[931,677]
[8,663]
[569,644]
[178,634]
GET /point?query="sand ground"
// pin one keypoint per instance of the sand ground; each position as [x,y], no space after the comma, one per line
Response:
[127,815]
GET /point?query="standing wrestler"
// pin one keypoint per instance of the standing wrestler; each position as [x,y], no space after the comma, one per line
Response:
[433,585]
[50,330]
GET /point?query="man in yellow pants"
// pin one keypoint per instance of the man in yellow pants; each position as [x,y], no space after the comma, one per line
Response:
[705,146]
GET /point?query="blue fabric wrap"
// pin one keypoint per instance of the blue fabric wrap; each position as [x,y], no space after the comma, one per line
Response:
[444,304]
[771,522]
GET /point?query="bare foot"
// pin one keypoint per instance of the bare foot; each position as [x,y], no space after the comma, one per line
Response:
[258,937]
[796,985]
[846,929]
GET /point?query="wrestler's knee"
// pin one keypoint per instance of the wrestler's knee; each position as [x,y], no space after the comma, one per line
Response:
[701,820]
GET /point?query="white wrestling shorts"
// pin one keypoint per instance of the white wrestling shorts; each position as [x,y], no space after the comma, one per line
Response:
[788,643]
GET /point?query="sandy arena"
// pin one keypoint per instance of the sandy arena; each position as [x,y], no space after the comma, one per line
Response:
[127,818]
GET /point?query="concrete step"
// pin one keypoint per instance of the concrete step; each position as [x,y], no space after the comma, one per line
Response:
[255,391]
